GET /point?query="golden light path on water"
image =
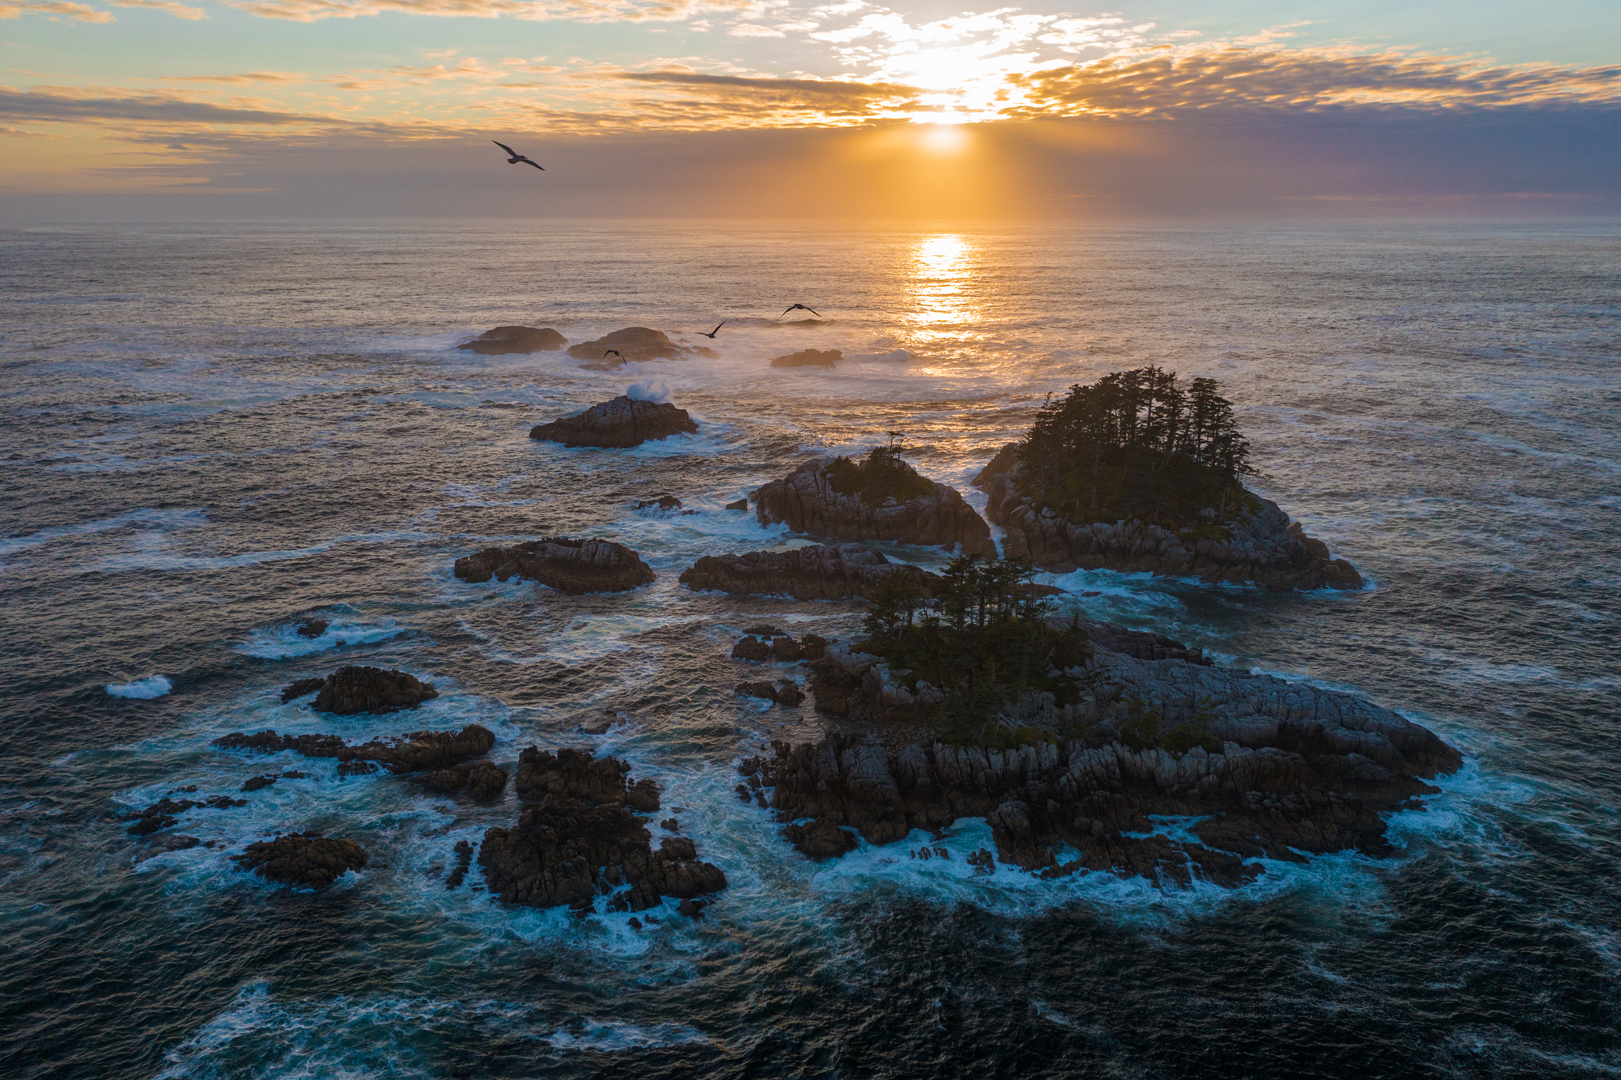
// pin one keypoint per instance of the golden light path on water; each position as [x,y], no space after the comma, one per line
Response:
[941,300]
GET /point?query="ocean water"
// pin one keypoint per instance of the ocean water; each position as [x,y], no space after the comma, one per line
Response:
[211,432]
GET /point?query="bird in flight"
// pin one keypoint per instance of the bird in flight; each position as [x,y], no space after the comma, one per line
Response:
[613,352]
[711,334]
[513,157]
[797,307]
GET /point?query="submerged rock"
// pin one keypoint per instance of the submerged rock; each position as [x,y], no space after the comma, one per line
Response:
[312,628]
[464,861]
[634,344]
[817,572]
[166,812]
[411,752]
[516,339]
[823,358]
[301,687]
[304,859]
[740,504]
[618,424]
[569,566]
[935,516]
[1255,544]
[580,836]
[787,692]
[663,502]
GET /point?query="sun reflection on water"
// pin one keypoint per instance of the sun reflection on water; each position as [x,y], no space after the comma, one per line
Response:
[940,301]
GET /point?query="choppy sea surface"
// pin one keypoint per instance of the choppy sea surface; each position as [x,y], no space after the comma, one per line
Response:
[210,432]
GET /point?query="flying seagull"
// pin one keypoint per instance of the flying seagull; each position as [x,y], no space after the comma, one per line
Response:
[613,352]
[513,157]
[712,333]
[798,307]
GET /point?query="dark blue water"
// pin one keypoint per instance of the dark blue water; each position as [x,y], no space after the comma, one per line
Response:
[210,431]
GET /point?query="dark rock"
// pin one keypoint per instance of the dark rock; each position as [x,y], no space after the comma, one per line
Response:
[634,923]
[741,504]
[353,689]
[293,774]
[1005,461]
[823,358]
[821,839]
[767,632]
[751,648]
[635,344]
[481,778]
[302,687]
[789,693]
[257,782]
[569,566]
[618,424]
[579,835]
[516,339]
[663,502]
[464,861]
[1256,544]
[312,628]
[806,501]
[670,823]
[412,752]
[599,724]
[162,845]
[166,812]
[302,859]
[757,689]
[832,572]
[692,909]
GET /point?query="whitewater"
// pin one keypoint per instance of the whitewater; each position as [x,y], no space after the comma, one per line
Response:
[214,432]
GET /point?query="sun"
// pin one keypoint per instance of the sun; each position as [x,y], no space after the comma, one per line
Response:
[944,136]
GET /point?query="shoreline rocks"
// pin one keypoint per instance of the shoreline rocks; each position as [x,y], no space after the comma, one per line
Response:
[618,424]
[412,752]
[1257,544]
[302,859]
[634,344]
[569,566]
[816,572]
[806,502]
[822,358]
[503,340]
[580,836]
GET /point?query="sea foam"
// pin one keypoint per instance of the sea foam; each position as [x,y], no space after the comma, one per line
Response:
[153,686]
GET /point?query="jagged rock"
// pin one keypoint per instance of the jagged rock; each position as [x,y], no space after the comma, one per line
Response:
[257,782]
[821,839]
[516,339]
[830,572]
[663,502]
[166,812]
[162,845]
[353,689]
[412,752]
[634,344]
[768,643]
[751,648]
[806,502]
[580,835]
[785,693]
[464,860]
[1295,769]
[312,628]
[620,423]
[764,631]
[302,687]
[480,778]
[1258,543]
[741,504]
[569,566]
[307,859]
[823,358]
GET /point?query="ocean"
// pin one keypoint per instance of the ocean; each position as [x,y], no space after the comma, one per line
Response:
[212,431]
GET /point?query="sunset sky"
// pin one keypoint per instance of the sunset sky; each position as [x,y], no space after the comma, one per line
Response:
[1165,108]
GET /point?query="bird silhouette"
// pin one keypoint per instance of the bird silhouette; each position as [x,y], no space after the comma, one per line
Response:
[801,307]
[513,157]
[613,352]
[712,333]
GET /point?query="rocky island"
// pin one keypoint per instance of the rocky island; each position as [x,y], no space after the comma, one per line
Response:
[974,700]
[878,498]
[633,344]
[816,572]
[505,340]
[569,566]
[1138,473]
[618,424]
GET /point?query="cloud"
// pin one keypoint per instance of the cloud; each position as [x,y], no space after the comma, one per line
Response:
[539,10]
[178,10]
[754,30]
[245,78]
[76,12]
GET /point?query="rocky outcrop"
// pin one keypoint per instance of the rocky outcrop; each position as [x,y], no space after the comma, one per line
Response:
[769,643]
[481,779]
[305,859]
[662,502]
[312,628]
[785,692]
[580,836]
[516,339]
[822,358]
[633,344]
[569,566]
[166,812]
[1274,769]
[831,572]
[1257,544]
[411,752]
[806,502]
[464,862]
[618,424]
[353,689]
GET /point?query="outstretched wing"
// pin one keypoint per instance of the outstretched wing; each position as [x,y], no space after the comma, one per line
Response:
[510,151]
[718,325]
[814,312]
[787,310]
[526,161]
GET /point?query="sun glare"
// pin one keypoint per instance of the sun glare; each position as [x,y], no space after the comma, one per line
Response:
[944,136]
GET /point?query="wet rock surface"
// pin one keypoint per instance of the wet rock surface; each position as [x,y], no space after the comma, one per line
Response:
[166,812]
[464,862]
[822,358]
[1255,545]
[304,859]
[353,689]
[634,344]
[580,835]
[411,752]
[569,566]
[312,628]
[1290,769]
[806,502]
[503,340]
[773,644]
[481,779]
[618,424]
[818,572]
[786,692]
